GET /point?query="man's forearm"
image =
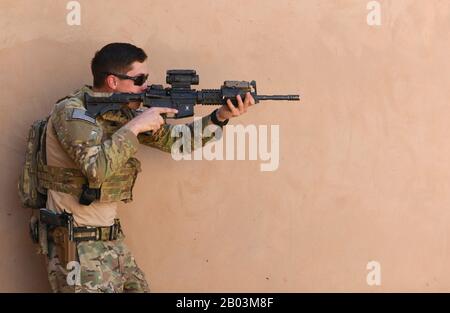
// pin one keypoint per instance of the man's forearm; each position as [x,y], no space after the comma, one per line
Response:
[162,138]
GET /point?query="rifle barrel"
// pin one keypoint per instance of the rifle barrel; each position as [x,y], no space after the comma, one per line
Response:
[279,97]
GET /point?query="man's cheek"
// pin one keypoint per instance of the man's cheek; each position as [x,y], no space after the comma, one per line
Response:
[134,89]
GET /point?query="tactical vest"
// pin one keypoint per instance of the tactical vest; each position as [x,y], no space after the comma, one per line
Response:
[36,176]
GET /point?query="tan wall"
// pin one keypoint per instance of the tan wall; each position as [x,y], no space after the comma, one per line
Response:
[364,172]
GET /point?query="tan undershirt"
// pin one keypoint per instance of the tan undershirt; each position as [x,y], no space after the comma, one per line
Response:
[96,214]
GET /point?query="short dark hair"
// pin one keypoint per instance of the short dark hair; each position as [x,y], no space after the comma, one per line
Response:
[114,57]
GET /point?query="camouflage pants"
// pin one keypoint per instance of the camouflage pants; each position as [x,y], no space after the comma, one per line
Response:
[103,266]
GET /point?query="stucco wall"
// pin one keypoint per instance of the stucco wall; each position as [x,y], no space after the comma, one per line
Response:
[363,174]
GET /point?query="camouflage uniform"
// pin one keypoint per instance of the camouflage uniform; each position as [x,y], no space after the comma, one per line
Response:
[101,148]
[105,266]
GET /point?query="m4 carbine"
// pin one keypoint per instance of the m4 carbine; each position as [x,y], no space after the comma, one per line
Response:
[180,95]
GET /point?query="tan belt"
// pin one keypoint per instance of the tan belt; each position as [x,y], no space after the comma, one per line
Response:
[86,233]
[97,233]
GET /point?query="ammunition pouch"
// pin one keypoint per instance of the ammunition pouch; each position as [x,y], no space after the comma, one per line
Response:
[34,229]
[38,233]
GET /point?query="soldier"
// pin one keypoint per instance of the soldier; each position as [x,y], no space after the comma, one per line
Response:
[90,168]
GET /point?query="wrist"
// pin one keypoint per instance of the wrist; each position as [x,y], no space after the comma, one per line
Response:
[219,116]
[217,119]
[132,128]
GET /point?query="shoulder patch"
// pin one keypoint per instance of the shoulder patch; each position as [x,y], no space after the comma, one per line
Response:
[80,114]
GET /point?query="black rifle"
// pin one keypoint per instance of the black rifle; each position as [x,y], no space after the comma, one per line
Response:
[180,96]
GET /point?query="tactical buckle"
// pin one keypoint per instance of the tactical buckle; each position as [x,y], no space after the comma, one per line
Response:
[104,234]
[89,195]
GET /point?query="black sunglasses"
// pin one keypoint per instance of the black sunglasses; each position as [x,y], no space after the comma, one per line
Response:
[138,80]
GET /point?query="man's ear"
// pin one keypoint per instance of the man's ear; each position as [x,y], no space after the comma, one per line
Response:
[111,82]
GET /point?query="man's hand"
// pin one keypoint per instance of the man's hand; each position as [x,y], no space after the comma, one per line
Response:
[149,120]
[228,111]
